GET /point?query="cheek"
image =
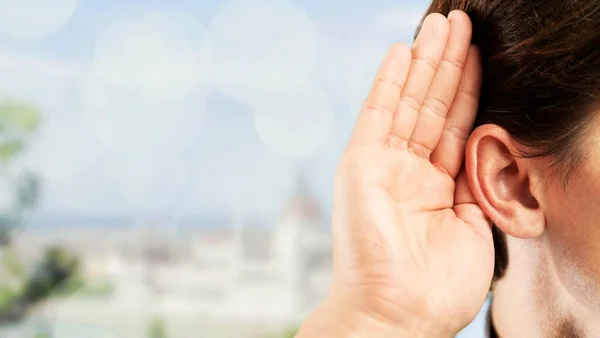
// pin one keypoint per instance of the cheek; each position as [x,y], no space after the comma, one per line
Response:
[573,237]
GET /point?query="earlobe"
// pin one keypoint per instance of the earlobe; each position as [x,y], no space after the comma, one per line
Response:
[500,181]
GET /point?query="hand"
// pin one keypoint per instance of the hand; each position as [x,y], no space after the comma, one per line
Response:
[413,252]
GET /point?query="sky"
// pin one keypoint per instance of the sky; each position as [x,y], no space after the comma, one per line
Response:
[191,107]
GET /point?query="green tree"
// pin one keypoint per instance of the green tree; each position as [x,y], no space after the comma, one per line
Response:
[56,268]
[18,122]
[11,306]
[291,333]
[157,328]
[42,334]
[287,333]
[12,264]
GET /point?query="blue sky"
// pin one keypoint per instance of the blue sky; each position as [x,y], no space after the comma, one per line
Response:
[75,38]
[192,107]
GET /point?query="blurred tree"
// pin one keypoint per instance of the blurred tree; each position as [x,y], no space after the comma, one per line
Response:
[18,122]
[56,268]
[12,264]
[9,301]
[19,190]
[157,328]
[42,334]
[291,333]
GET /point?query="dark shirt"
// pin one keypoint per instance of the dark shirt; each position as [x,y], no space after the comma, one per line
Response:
[490,329]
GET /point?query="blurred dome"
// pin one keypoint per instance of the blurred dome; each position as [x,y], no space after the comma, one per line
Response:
[303,205]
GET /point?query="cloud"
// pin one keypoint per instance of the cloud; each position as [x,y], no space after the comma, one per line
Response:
[127,131]
[243,179]
[294,123]
[396,21]
[129,119]
[92,135]
[147,181]
[352,50]
[163,54]
[43,67]
[31,19]
[260,46]
[41,81]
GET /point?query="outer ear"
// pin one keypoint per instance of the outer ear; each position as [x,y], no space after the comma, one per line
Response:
[500,181]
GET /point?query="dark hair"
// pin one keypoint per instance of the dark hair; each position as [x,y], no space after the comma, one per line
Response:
[541,77]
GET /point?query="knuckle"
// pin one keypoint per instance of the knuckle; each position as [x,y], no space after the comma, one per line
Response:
[457,132]
[454,62]
[411,102]
[374,107]
[429,61]
[469,94]
[390,82]
[436,107]
[420,149]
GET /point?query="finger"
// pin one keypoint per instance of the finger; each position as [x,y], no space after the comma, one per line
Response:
[467,209]
[450,151]
[432,116]
[427,52]
[375,118]
[462,190]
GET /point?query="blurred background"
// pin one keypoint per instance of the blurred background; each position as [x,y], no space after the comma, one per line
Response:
[166,166]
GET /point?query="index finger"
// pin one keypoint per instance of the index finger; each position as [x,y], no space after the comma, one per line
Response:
[374,121]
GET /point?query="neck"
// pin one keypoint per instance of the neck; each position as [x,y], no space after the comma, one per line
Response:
[531,301]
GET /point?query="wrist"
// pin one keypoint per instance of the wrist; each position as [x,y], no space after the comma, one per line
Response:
[337,317]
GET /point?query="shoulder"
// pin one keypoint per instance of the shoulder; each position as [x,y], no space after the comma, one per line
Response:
[478,327]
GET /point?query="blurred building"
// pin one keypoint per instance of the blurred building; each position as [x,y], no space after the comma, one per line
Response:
[241,271]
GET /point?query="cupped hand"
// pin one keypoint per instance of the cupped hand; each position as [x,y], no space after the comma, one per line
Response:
[411,246]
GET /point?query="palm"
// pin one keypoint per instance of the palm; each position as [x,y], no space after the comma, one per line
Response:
[410,236]
[448,246]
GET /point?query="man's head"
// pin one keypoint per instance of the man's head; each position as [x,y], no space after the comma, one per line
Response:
[534,159]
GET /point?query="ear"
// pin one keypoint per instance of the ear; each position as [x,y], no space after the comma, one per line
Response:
[500,181]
